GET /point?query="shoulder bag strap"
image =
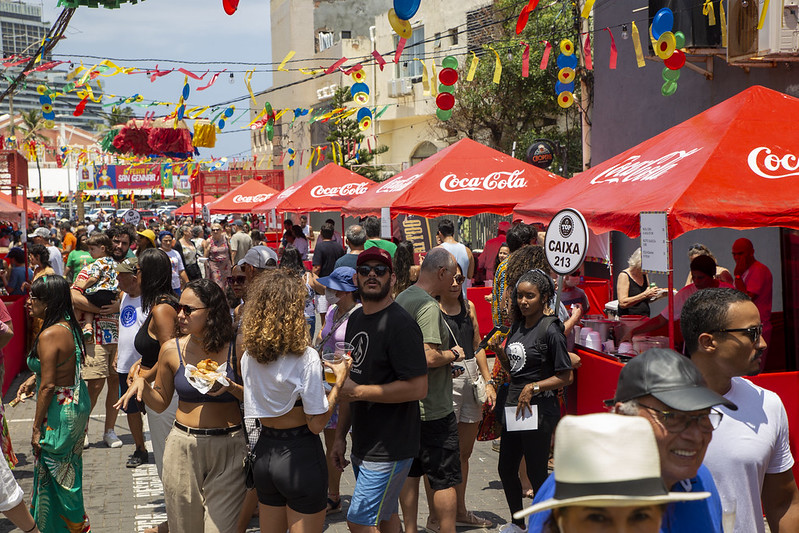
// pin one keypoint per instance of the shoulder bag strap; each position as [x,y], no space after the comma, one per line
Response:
[336,326]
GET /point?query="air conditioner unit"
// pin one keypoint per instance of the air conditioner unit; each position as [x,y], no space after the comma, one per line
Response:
[399,87]
[779,36]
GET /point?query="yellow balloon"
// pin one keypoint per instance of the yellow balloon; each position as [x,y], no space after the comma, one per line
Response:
[566,47]
[401,27]
[565,99]
[566,75]
[361,98]
[666,45]
[41,89]
[365,123]
[358,76]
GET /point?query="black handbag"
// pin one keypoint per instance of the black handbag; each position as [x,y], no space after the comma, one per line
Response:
[249,460]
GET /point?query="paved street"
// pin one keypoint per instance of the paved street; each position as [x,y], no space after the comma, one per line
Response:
[119,499]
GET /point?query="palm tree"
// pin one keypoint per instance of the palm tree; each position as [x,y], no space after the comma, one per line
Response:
[116,117]
[32,124]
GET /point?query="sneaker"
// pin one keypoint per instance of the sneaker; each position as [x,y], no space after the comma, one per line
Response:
[139,457]
[495,445]
[85,441]
[111,440]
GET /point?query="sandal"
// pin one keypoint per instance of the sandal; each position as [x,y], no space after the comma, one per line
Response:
[333,506]
[473,521]
[529,493]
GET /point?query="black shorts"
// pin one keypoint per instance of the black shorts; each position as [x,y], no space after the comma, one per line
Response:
[101,298]
[291,469]
[439,453]
[134,406]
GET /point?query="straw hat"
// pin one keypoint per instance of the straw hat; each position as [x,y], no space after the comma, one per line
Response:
[607,460]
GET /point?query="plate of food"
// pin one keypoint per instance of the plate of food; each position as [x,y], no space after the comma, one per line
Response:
[207,376]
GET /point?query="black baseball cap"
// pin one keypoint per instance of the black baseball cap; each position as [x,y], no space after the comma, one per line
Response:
[671,378]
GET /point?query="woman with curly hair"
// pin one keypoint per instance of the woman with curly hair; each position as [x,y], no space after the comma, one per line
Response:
[202,475]
[283,388]
[404,268]
[536,358]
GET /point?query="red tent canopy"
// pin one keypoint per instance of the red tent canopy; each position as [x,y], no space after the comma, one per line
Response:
[200,199]
[243,198]
[735,165]
[466,178]
[34,209]
[9,211]
[327,189]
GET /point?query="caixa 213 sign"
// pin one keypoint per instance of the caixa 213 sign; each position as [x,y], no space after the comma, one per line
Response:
[566,241]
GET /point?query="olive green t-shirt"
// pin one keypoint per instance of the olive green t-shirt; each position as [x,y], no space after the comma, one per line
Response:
[424,309]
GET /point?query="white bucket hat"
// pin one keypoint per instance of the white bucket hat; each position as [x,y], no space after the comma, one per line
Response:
[607,460]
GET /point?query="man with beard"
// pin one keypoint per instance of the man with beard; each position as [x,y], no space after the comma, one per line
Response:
[380,399]
[750,455]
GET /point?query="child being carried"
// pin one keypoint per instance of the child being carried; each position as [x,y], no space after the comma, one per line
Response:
[97,281]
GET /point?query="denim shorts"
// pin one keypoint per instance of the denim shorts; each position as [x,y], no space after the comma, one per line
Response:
[377,489]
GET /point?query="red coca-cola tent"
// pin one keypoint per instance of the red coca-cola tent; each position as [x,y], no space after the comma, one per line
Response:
[327,189]
[466,178]
[243,198]
[34,209]
[195,204]
[735,165]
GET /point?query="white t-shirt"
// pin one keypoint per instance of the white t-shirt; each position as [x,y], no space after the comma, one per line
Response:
[56,261]
[177,267]
[270,390]
[131,319]
[748,444]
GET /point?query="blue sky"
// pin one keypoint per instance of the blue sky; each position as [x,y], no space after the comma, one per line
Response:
[183,30]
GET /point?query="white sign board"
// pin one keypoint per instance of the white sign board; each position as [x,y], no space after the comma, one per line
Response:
[206,213]
[132,216]
[654,242]
[385,222]
[566,241]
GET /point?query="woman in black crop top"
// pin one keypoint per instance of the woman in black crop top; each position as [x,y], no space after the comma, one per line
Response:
[202,475]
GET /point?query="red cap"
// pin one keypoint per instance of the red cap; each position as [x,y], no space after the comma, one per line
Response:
[375,254]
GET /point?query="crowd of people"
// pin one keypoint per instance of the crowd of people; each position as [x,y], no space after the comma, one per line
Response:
[264,375]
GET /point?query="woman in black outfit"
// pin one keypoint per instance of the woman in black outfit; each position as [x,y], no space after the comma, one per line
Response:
[535,355]
[633,290]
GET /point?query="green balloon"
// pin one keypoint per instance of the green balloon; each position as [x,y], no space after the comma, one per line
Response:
[450,62]
[669,88]
[679,39]
[444,115]
[445,88]
[670,75]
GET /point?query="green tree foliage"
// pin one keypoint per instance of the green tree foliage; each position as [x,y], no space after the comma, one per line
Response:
[521,109]
[116,117]
[346,133]
[32,124]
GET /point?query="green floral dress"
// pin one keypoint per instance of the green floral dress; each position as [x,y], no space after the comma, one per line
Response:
[57,502]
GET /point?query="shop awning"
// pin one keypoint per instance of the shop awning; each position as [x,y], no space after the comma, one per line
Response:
[735,165]
[243,198]
[465,178]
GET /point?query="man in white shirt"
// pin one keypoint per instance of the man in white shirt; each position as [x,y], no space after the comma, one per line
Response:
[240,242]
[749,456]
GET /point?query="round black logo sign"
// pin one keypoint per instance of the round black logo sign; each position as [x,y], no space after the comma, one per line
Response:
[566,226]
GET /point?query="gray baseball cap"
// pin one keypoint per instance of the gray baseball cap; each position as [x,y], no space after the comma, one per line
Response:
[670,377]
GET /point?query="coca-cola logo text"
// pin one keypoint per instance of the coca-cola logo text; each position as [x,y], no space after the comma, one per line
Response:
[771,166]
[258,198]
[631,169]
[398,184]
[287,192]
[495,180]
[348,189]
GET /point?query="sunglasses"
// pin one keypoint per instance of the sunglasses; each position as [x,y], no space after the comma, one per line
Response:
[188,310]
[236,280]
[379,270]
[753,332]
[459,278]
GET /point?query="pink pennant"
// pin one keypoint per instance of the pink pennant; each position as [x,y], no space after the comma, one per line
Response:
[158,73]
[379,58]
[17,62]
[589,64]
[213,80]
[400,48]
[614,53]
[354,68]
[332,68]
[44,66]
[545,58]
[192,74]
[525,60]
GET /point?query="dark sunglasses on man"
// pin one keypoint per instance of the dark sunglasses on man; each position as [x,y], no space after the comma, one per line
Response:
[236,280]
[380,270]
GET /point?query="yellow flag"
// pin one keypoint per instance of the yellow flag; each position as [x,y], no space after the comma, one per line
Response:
[763,15]
[710,12]
[425,77]
[286,60]
[639,54]
[497,66]
[472,67]
[723,16]
[589,5]
[433,79]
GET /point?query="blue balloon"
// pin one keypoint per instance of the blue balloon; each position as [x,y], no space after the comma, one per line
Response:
[560,87]
[45,99]
[364,112]
[405,9]
[663,22]
[565,61]
[359,88]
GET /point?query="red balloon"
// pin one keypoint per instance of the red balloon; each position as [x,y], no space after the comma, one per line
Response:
[230,6]
[448,76]
[445,101]
[676,61]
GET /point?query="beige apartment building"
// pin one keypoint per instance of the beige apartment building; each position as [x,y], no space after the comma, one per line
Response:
[323,31]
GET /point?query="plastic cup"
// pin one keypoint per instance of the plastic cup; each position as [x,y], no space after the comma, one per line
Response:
[344,348]
[331,358]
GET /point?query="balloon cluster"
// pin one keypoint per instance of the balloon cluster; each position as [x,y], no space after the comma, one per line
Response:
[447,79]
[46,99]
[567,63]
[360,95]
[226,115]
[400,17]
[667,47]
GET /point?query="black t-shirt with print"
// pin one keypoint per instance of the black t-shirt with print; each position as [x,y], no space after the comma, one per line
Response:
[387,347]
[535,355]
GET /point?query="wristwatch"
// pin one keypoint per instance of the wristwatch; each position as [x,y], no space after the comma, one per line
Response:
[536,388]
